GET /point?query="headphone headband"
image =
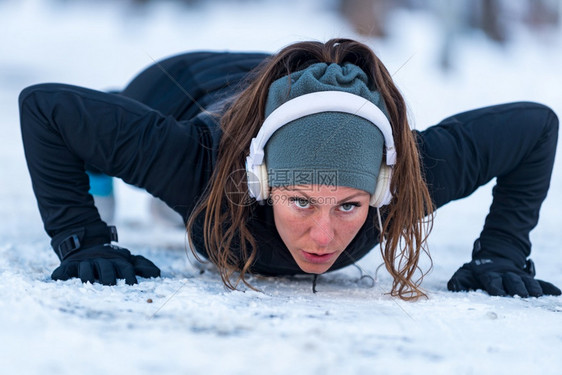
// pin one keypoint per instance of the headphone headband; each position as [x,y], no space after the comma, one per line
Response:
[317,102]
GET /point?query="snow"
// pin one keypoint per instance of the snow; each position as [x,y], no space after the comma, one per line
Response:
[185,321]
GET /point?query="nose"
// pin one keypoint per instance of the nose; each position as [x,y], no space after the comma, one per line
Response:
[322,230]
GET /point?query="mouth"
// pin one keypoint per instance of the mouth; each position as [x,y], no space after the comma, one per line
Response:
[318,258]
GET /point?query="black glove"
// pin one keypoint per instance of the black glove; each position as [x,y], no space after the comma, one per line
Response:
[86,252]
[500,277]
[105,263]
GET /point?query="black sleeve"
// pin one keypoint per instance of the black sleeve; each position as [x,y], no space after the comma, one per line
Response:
[66,127]
[514,143]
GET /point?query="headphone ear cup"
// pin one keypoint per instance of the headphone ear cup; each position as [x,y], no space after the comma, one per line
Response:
[264,183]
[382,195]
[258,186]
[252,180]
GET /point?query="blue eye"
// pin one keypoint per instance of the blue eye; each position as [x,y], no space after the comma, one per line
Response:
[300,202]
[348,207]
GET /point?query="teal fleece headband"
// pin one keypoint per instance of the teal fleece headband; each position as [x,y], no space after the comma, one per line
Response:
[327,148]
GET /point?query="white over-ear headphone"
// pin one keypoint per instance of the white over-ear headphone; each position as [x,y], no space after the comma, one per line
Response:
[308,104]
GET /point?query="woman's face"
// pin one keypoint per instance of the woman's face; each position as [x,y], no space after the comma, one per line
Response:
[317,222]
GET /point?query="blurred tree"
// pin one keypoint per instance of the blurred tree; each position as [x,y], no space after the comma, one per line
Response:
[490,21]
[543,13]
[366,16]
[144,2]
[450,15]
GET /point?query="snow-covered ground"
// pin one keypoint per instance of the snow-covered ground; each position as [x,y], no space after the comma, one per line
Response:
[186,322]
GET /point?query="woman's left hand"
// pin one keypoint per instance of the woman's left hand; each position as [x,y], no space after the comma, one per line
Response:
[500,277]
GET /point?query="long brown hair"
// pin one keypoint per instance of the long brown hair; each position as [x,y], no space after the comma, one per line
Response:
[226,214]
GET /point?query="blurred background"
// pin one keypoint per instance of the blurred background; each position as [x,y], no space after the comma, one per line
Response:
[445,55]
[102,44]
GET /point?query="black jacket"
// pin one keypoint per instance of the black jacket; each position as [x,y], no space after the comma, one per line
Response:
[156,135]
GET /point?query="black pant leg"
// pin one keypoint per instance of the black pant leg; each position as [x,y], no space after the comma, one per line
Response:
[514,142]
[198,79]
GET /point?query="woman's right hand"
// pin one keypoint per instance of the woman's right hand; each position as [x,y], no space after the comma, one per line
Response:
[105,263]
